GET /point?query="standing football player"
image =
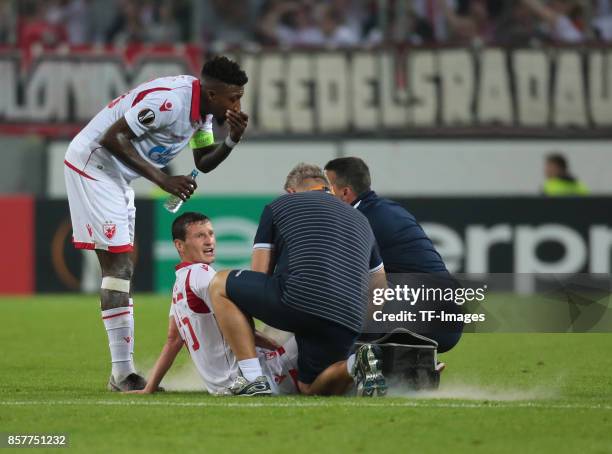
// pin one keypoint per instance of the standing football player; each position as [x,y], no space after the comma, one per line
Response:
[136,135]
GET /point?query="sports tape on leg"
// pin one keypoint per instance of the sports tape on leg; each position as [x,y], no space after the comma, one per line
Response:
[116,284]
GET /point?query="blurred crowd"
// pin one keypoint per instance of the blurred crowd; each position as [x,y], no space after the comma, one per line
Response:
[303,23]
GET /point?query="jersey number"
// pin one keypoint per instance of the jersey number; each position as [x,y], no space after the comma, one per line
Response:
[194,339]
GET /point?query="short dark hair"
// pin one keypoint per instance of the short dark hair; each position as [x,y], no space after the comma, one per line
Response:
[352,172]
[225,70]
[558,159]
[179,226]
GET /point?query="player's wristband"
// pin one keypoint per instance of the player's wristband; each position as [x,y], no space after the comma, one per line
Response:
[230,143]
[201,139]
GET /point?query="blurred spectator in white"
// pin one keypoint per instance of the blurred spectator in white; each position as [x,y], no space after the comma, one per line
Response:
[352,14]
[290,23]
[229,22]
[75,15]
[335,32]
[164,29]
[561,19]
[602,26]
[602,19]
[36,27]
[7,20]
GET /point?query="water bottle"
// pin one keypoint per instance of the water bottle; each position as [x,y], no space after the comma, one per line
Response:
[174,202]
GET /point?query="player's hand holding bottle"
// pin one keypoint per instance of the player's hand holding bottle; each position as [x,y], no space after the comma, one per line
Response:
[181,186]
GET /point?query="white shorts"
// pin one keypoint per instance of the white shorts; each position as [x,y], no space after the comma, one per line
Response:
[280,366]
[101,208]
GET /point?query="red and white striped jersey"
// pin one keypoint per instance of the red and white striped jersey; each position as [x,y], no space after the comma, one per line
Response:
[212,356]
[164,114]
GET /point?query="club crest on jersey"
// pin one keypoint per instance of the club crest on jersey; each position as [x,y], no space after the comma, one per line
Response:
[146,117]
[109,229]
[166,106]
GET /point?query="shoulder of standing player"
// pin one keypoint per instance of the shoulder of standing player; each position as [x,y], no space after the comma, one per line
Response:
[156,110]
[168,103]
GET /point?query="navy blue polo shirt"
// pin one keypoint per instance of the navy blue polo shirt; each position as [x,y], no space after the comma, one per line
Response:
[325,251]
[403,244]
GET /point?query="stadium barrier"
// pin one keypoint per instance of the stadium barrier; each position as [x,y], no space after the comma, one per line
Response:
[61,268]
[475,235]
[17,257]
[407,167]
[550,91]
[519,234]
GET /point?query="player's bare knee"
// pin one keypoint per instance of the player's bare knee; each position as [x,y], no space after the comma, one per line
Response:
[217,285]
[212,287]
[120,267]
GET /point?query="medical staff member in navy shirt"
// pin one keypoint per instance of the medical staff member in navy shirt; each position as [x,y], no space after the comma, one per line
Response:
[403,244]
[314,259]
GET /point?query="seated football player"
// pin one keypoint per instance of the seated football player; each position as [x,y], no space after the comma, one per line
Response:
[192,323]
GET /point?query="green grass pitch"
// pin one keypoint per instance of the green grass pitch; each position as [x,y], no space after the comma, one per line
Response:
[506,393]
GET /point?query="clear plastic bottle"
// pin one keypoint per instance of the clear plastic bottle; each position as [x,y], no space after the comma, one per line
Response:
[173,203]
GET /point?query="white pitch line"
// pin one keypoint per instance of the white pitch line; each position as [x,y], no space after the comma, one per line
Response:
[314,404]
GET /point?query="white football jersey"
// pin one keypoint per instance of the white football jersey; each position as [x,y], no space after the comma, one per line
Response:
[212,356]
[163,113]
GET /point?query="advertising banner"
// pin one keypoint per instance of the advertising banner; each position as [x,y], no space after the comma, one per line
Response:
[524,236]
[62,268]
[519,235]
[17,257]
[235,220]
[397,91]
